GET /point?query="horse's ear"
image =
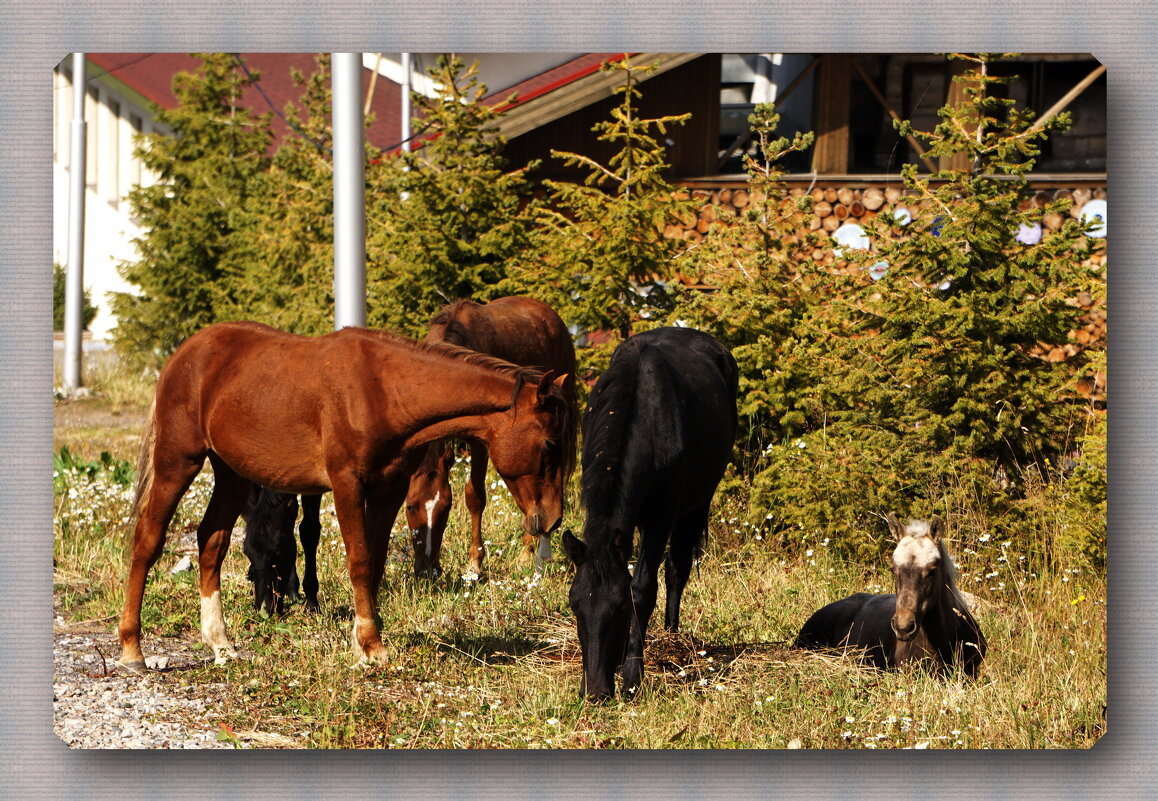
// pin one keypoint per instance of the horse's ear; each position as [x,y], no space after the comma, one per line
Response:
[895,526]
[544,389]
[936,528]
[574,548]
[448,455]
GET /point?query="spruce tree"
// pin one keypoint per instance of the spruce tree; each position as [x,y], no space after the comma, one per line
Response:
[189,217]
[929,388]
[758,261]
[281,271]
[958,326]
[444,219]
[600,256]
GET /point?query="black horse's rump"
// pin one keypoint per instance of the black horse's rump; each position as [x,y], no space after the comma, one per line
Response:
[657,435]
[927,618]
[269,543]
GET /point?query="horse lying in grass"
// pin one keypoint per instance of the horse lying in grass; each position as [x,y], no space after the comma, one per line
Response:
[657,436]
[347,412]
[925,619]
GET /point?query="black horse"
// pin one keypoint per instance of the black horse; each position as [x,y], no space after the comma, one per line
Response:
[925,619]
[657,437]
[269,544]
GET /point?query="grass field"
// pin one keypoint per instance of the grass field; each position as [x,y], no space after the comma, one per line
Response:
[497,664]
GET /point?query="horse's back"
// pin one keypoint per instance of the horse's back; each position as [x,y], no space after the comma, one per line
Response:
[518,329]
[660,424]
[688,389]
[860,621]
[256,397]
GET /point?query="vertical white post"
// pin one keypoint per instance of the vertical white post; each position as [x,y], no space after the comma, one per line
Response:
[349,193]
[406,102]
[74,274]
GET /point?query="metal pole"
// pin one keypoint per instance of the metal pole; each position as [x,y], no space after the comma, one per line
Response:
[74,275]
[349,193]
[406,102]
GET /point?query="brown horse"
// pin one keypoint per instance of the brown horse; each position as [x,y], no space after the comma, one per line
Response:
[519,330]
[349,412]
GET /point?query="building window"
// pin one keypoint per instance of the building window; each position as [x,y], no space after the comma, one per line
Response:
[91,162]
[111,158]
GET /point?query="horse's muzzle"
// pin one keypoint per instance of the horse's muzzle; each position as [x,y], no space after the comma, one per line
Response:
[905,631]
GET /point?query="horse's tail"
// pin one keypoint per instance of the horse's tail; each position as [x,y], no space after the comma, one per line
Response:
[145,464]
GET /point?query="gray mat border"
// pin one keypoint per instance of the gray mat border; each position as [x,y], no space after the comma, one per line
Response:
[35,764]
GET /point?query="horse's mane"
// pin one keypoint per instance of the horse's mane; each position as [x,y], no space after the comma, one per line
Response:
[455,333]
[609,413]
[457,341]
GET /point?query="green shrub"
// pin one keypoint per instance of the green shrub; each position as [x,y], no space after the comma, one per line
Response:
[58,301]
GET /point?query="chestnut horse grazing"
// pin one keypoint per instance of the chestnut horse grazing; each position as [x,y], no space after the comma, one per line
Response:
[520,330]
[657,437]
[925,619]
[348,412]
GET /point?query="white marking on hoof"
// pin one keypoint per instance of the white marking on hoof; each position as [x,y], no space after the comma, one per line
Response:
[213,629]
[358,649]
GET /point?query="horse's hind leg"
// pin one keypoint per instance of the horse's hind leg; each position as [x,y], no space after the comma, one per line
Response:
[310,532]
[681,551]
[156,505]
[230,492]
[475,493]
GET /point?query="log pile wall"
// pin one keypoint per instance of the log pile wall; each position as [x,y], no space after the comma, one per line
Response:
[834,206]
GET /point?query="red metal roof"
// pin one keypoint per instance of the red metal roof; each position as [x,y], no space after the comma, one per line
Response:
[554,78]
[151,75]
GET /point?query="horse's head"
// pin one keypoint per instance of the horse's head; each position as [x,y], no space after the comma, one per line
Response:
[428,507]
[272,551]
[600,597]
[917,566]
[530,451]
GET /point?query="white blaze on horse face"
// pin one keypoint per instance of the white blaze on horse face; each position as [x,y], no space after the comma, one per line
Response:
[430,521]
[917,552]
[213,629]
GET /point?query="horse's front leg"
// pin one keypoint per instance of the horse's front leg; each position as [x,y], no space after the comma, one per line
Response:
[644,586]
[230,493]
[475,494]
[367,538]
[382,507]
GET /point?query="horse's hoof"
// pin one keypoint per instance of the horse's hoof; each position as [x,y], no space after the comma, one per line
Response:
[312,606]
[132,666]
[375,658]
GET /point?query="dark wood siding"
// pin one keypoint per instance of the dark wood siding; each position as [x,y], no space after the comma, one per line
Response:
[693,87]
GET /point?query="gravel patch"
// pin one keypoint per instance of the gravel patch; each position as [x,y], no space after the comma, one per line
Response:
[97,704]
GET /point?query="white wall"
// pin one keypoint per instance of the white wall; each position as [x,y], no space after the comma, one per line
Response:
[496,70]
[112,117]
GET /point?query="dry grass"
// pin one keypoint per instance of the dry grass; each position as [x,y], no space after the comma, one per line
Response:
[496,665]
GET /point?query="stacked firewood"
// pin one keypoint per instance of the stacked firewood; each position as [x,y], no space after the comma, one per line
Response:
[834,206]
